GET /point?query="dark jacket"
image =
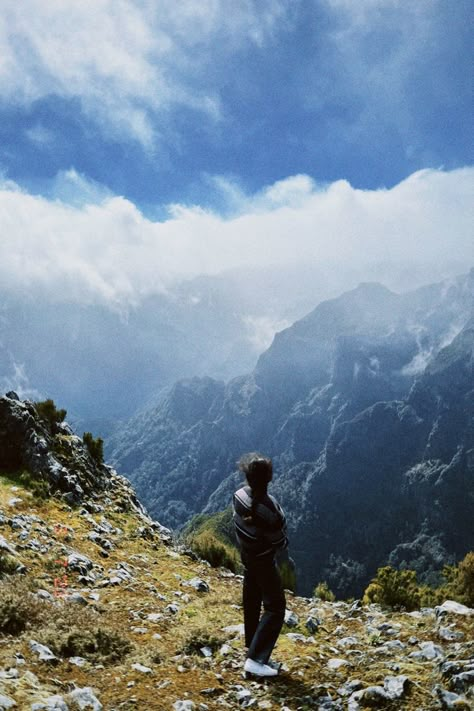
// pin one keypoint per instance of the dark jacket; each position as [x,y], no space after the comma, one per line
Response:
[262,531]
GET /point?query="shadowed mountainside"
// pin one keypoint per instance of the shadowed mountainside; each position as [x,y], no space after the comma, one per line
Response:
[365,406]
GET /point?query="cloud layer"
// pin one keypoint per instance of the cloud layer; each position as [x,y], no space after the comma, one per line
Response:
[126,60]
[109,252]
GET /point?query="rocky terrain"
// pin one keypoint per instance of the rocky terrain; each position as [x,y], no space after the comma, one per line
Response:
[365,406]
[99,609]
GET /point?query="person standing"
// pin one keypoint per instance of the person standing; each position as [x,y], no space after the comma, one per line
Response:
[260,527]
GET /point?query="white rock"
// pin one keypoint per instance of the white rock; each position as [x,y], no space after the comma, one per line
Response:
[84,698]
[52,703]
[77,661]
[141,668]
[295,637]
[335,664]
[184,705]
[429,651]
[44,653]
[291,618]
[396,686]
[154,616]
[347,642]
[6,702]
[6,546]
[234,629]
[455,608]
[449,635]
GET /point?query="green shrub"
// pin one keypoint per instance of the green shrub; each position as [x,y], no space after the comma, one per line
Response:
[198,638]
[219,554]
[288,575]
[8,564]
[394,588]
[95,447]
[33,482]
[73,631]
[459,582]
[19,608]
[48,412]
[323,592]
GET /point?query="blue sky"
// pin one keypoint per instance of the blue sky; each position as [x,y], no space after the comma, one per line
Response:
[205,105]
[366,91]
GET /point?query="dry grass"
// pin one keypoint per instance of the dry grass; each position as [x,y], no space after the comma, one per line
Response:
[107,635]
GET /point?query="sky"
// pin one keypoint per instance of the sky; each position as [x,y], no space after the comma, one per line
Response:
[143,142]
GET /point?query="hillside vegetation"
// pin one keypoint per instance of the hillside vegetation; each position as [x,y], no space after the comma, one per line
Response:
[99,609]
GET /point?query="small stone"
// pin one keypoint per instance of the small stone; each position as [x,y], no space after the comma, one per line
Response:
[52,703]
[154,617]
[186,705]
[396,686]
[85,698]
[172,608]
[312,624]
[347,642]
[450,701]
[197,584]
[295,637]
[335,664]
[5,546]
[463,681]
[6,702]
[14,501]
[44,653]
[225,649]
[44,595]
[449,635]
[79,563]
[429,651]
[374,696]
[291,619]
[206,651]
[141,668]
[77,599]
[234,629]
[77,661]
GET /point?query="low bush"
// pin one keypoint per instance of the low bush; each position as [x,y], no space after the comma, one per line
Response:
[95,447]
[323,592]
[20,609]
[77,632]
[219,554]
[50,414]
[199,638]
[394,588]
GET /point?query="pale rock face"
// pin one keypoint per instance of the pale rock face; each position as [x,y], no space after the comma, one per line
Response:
[453,608]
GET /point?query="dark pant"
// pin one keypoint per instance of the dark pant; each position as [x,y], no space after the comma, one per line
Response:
[262,584]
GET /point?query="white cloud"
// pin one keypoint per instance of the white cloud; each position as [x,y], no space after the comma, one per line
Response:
[110,252]
[125,59]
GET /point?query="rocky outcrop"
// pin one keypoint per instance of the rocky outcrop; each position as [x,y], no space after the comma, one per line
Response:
[54,455]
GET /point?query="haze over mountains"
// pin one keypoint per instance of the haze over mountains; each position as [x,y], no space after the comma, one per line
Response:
[103,361]
[366,405]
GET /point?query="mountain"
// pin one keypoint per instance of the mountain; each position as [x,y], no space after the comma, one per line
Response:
[103,361]
[100,610]
[365,406]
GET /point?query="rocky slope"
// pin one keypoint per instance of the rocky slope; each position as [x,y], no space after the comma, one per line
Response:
[365,406]
[99,610]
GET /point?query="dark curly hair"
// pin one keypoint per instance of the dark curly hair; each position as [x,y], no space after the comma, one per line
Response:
[258,471]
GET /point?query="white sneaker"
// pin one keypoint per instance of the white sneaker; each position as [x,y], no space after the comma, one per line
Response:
[253,667]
